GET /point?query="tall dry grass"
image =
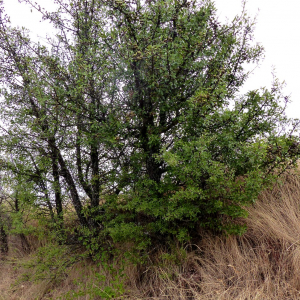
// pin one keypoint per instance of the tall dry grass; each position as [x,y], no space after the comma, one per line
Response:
[262,264]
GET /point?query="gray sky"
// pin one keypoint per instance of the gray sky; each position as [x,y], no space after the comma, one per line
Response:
[277,28]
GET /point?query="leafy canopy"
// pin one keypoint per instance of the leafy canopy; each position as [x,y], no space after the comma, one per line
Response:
[132,112]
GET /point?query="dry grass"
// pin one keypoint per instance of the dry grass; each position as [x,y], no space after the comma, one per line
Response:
[262,264]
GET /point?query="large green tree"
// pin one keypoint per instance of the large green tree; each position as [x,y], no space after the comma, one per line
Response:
[135,103]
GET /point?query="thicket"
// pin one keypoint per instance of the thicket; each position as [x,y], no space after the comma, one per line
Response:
[261,264]
[130,117]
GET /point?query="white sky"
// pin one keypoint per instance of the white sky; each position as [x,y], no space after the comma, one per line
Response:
[277,28]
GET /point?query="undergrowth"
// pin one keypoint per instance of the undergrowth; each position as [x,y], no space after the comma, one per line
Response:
[261,264]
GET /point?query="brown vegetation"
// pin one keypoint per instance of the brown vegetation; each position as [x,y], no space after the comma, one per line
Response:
[264,263]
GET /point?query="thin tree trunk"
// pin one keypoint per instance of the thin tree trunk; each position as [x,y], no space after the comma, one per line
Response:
[57,189]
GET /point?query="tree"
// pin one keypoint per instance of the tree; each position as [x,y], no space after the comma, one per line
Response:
[130,103]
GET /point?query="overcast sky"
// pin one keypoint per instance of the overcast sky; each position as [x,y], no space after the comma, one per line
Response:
[277,29]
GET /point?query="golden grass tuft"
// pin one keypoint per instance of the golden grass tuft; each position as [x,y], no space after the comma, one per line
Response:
[263,264]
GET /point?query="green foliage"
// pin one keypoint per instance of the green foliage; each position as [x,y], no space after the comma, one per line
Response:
[131,115]
[51,262]
[98,287]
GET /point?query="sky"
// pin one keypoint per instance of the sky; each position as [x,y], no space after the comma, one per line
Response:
[277,27]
